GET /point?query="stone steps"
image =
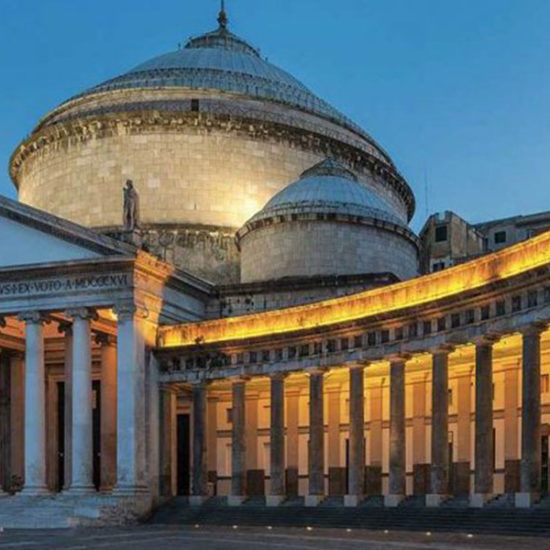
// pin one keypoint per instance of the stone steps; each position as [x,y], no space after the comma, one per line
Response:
[496,520]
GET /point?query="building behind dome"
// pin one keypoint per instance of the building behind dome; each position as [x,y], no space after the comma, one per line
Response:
[209,133]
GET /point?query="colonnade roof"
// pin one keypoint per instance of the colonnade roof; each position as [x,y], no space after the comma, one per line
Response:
[418,292]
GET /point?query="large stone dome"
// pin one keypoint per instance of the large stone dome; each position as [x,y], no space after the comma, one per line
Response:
[327,223]
[208,134]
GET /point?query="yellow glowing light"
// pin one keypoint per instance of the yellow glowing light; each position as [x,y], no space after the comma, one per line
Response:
[504,264]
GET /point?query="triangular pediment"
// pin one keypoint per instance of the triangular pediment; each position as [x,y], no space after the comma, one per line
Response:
[30,236]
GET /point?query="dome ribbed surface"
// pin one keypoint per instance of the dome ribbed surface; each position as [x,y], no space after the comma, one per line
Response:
[328,188]
[220,60]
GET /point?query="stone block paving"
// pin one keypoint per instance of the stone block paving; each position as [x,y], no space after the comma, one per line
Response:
[240,538]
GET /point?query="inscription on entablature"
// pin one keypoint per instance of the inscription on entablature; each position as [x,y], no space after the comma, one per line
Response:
[64,284]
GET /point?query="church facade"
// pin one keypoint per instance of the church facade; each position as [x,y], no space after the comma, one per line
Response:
[249,321]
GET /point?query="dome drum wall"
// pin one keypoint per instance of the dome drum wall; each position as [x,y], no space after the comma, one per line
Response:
[308,248]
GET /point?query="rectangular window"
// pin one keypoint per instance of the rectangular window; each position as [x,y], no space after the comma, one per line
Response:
[385,336]
[253,357]
[485,310]
[427,327]
[240,358]
[399,333]
[500,237]
[278,354]
[304,350]
[516,303]
[438,266]
[470,316]
[229,417]
[344,344]
[440,233]
[291,352]
[450,393]
[441,324]
[195,105]
[546,294]
[331,346]
[500,307]
[371,339]
[532,298]
[544,383]
[265,356]
[317,348]
[358,341]
[413,330]
[455,320]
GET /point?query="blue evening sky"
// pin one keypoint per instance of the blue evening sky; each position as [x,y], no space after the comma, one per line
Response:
[457,92]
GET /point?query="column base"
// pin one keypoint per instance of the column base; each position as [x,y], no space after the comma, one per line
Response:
[313,500]
[351,501]
[80,490]
[479,500]
[124,491]
[525,500]
[235,500]
[434,501]
[34,491]
[274,500]
[392,501]
[197,500]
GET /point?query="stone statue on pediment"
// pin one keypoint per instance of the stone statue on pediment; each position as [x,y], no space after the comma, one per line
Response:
[131,207]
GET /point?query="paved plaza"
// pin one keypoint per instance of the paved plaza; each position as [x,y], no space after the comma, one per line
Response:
[228,538]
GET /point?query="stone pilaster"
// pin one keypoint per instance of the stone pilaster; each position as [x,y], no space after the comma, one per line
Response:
[439,475]
[356,473]
[397,481]
[131,466]
[200,465]
[82,451]
[484,469]
[277,439]
[316,440]
[35,406]
[530,418]
[238,449]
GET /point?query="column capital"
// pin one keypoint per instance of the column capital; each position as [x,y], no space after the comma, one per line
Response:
[82,313]
[127,310]
[534,328]
[104,339]
[278,375]
[316,371]
[486,339]
[359,365]
[33,317]
[442,349]
[399,358]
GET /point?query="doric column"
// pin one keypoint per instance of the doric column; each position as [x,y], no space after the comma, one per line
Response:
[461,468]
[397,481]
[200,470]
[530,418]
[336,472]
[108,410]
[255,477]
[511,429]
[67,330]
[439,475]
[356,472]
[82,451]
[130,402]
[238,449]
[292,440]
[316,440]
[277,441]
[483,477]
[35,406]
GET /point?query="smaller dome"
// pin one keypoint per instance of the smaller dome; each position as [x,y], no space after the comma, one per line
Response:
[328,188]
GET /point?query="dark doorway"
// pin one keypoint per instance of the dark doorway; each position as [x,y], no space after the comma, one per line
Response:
[347,466]
[96,433]
[544,464]
[61,435]
[183,454]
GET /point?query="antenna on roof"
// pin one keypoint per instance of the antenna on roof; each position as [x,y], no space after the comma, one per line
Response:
[222,16]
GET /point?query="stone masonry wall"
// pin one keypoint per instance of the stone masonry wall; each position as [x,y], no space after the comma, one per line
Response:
[309,248]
